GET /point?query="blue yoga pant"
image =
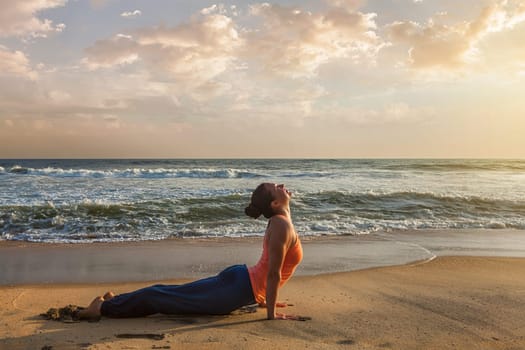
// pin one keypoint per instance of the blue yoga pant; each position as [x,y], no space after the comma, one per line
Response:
[217,295]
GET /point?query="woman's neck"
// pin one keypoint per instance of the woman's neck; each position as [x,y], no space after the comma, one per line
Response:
[283,211]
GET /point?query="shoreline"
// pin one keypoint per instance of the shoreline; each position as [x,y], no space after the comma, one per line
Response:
[26,263]
[456,302]
[401,290]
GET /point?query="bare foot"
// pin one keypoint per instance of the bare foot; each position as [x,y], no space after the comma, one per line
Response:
[108,296]
[92,311]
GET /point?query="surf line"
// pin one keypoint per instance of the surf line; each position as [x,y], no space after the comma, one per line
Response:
[420,262]
[431,255]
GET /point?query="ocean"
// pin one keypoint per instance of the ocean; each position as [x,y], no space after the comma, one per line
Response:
[113,200]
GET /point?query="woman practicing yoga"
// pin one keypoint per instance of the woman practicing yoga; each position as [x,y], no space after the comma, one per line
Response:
[232,288]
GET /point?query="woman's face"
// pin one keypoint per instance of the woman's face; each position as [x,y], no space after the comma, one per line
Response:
[280,193]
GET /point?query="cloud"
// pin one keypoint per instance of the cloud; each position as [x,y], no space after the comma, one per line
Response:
[214,9]
[119,50]
[215,68]
[15,63]
[296,43]
[395,113]
[131,14]
[285,41]
[193,52]
[60,27]
[349,5]
[435,44]
[59,96]
[19,18]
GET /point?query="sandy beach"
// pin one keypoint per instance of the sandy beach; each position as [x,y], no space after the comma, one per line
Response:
[439,302]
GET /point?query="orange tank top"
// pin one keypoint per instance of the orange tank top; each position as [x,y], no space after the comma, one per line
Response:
[259,272]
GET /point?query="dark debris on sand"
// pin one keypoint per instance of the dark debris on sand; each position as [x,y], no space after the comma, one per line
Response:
[248,309]
[153,336]
[67,313]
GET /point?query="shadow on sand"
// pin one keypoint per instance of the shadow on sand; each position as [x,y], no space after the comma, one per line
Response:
[152,332]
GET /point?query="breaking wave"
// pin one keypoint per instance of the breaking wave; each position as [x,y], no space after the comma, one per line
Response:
[330,212]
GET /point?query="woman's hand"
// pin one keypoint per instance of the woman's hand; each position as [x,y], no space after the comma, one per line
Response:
[279,316]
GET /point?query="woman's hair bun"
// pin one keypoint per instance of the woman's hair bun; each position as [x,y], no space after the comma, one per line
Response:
[252,211]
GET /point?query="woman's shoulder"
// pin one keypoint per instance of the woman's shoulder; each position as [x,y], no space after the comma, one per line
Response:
[280,226]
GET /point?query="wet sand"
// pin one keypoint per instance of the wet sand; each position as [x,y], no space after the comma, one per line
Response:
[443,302]
[29,263]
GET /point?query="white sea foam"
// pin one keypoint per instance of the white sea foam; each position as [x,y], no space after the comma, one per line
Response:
[199,173]
[82,201]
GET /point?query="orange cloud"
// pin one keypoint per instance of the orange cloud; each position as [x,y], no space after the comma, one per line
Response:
[296,43]
[192,53]
[435,44]
[15,63]
[19,18]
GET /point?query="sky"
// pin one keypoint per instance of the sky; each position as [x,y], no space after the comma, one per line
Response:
[247,79]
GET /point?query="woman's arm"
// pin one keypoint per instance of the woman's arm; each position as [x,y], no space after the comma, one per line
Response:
[280,231]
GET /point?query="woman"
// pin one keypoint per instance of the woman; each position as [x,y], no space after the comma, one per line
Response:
[234,287]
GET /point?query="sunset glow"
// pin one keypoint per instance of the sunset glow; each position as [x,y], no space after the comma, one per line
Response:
[334,78]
